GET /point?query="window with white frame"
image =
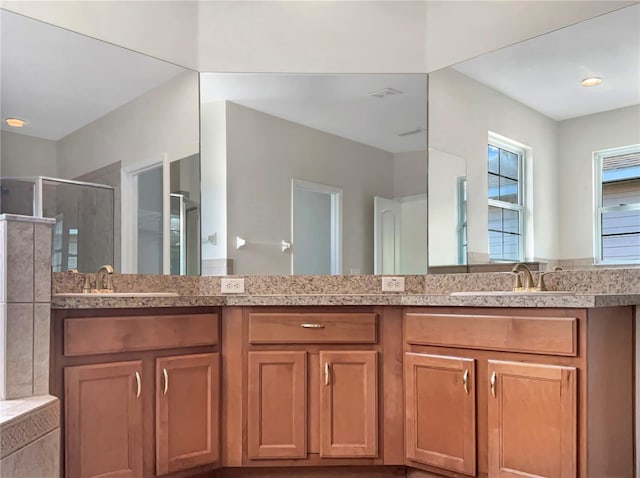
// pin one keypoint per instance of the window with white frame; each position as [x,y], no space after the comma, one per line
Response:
[617,222]
[506,201]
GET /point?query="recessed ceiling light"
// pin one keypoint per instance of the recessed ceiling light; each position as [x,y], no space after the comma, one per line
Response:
[15,122]
[591,81]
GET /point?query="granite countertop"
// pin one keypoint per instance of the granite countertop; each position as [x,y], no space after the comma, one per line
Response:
[571,300]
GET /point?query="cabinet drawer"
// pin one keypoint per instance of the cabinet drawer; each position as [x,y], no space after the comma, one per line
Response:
[309,328]
[100,335]
[538,335]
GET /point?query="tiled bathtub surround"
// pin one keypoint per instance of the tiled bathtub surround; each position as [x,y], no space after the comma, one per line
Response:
[25,285]
[30,437]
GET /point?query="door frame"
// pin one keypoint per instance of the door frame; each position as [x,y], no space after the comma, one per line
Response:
[336,220]
[129,209]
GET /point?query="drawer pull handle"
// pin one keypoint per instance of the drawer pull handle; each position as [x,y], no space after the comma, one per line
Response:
[138,385]
[326,373]
[312,326]
[493,384]
[465,381]
[165,375]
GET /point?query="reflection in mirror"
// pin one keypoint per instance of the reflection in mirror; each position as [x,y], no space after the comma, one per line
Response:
[447,209]
[531,135]
[293,164]
[96,113]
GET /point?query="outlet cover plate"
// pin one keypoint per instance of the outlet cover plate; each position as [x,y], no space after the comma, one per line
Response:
[231,286]
[393,284]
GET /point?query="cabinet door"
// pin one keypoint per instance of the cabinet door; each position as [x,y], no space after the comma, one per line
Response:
[277,405]
[440,419]
[187,411]
[348,404]
[532,420]
[103,419]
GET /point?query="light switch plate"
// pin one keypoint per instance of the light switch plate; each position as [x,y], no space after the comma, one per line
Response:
[393,284]
[232,286]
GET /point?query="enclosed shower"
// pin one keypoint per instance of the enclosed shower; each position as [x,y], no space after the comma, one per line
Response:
[83,235]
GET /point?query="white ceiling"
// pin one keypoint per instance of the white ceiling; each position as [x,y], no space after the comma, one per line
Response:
[544,73]
[336,104]
[60,81]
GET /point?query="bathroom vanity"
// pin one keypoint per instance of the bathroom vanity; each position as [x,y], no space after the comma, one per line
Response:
[443,390]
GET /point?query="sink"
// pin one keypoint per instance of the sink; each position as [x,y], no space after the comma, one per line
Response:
[118,294]
[511,293]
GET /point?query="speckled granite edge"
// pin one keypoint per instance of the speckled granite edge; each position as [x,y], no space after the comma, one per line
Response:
[97,302]
[435,300]
[315,299]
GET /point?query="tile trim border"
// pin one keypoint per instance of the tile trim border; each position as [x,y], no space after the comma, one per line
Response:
[26,429]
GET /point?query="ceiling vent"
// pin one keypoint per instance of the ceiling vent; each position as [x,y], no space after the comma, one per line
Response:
[413,131]
[384,92]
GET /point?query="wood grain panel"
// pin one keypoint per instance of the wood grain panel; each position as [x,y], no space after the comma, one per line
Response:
[93,335]
[277,405]
[103,421]
[349,404]
[532,421]
[308,328]
[539,335]
[187,411]
[440,413]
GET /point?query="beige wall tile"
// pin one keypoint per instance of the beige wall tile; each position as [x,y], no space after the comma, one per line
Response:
[3,261]
[19,261]
[19,351]
[42,263]
[40,459]
[41,332]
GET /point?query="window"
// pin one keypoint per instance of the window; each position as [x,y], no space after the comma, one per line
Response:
[617,231]
[506,201]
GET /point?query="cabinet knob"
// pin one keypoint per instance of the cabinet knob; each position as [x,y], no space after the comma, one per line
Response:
[465,381]
[493,384]
[138,385]
[165,375]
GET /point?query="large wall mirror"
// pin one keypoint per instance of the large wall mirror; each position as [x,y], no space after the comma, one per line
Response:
[314,174]
[109,148]
[553,165]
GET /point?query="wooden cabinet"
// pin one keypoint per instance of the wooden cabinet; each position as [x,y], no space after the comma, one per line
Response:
[440,411]
[349,404]
[311,391]
[552,394]
[277,401]
[532,420]
[187,411]
[346,389]
[143,399]
[103,410]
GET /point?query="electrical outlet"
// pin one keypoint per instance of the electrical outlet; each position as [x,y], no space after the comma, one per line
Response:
[393,284]
[232,286]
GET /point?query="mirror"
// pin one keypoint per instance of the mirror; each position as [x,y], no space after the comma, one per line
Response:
[118,132]
[313,174]
[531,135]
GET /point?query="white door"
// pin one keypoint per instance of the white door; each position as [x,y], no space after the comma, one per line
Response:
[315,228]
[146,218]
[386,241]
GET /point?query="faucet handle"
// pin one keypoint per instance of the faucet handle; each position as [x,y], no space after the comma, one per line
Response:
[542,287]
[517,284]
[86,288]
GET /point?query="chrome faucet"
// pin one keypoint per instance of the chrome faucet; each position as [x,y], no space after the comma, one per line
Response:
[104,278]
[529,283]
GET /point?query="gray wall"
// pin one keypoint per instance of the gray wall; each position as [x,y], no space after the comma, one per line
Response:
[264,154]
